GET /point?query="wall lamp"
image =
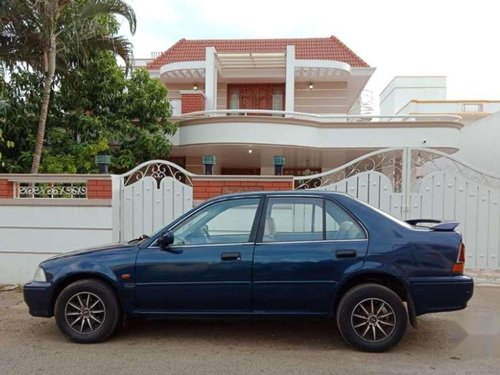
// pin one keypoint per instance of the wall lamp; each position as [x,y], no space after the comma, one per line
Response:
[208,162]
[279,162]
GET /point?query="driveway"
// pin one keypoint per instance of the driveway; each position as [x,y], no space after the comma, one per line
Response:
[460,342]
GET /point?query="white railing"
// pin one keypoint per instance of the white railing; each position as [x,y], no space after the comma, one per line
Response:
[51,190]
[48,186]
[323,118]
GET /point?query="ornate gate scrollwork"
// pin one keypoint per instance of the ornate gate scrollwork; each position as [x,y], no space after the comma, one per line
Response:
[427,161]
[388,162]
[157,169]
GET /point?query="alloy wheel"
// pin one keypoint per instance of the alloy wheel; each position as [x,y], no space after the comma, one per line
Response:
[85,312]
[373,319]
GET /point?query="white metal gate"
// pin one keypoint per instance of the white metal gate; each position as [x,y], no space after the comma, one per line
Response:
[152,195]
[414,183]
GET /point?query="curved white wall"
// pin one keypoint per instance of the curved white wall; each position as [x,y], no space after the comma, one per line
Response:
[304,134]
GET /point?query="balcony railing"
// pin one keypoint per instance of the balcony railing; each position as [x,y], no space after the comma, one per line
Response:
[326,118]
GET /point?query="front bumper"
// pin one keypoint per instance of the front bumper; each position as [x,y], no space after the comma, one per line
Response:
[38,297]
[437,294]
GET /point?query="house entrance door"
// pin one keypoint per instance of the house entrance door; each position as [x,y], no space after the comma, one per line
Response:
[256,96]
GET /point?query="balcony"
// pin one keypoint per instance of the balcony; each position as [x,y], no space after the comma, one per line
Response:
[297,129]
[245,141]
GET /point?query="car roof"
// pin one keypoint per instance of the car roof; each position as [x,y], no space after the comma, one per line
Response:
[317,193]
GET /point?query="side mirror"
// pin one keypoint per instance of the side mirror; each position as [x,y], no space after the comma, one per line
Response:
[166,239]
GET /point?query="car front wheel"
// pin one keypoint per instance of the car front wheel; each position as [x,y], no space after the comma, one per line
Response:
[371,317]
[87,311]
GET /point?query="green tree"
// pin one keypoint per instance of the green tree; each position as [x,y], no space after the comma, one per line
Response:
[3,107]
[3,142]
[22,97]
[97,109]
[48,34]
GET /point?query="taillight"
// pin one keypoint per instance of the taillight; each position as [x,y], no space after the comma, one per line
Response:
[459,265]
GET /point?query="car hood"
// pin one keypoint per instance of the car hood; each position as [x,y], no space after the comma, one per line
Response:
[97,249]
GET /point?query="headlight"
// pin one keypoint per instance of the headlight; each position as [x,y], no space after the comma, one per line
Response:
[39,275]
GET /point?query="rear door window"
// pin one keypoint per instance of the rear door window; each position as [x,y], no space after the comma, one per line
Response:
[293,219]
[340,225]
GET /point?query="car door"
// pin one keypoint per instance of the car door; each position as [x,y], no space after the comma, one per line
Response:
[304,247]
[208,268]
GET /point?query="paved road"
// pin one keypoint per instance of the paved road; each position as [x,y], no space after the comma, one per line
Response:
[460,342]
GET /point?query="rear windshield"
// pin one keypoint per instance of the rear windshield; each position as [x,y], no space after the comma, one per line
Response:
[390,217]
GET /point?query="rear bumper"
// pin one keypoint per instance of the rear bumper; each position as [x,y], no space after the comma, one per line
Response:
[438,294]
[38,297]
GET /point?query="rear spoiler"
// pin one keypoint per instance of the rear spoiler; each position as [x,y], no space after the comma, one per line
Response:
[438,225]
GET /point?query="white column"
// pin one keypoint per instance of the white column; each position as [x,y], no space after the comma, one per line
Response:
[290,79]
[116,188]
[210,79]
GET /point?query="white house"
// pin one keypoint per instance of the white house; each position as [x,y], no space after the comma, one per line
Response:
[245,101]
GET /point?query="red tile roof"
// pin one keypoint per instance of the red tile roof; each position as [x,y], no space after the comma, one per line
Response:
[305,48]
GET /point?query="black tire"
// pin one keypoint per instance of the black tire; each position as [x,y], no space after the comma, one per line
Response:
[92,324]
[385,322]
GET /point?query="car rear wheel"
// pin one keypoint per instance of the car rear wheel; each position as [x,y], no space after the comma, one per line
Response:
[371,318]
[87,311]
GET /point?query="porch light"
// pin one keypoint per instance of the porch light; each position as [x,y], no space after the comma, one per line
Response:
[208,162]
[279,162]
[195,86]
[311,86]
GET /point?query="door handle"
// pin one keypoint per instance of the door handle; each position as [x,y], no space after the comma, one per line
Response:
[231,256]
[173,251]
[345,254]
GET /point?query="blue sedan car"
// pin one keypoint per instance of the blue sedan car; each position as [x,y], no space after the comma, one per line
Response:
[302,254]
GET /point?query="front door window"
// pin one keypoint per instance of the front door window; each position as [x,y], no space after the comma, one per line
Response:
[220,223]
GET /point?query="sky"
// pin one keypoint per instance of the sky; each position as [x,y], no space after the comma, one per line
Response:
[459,39]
